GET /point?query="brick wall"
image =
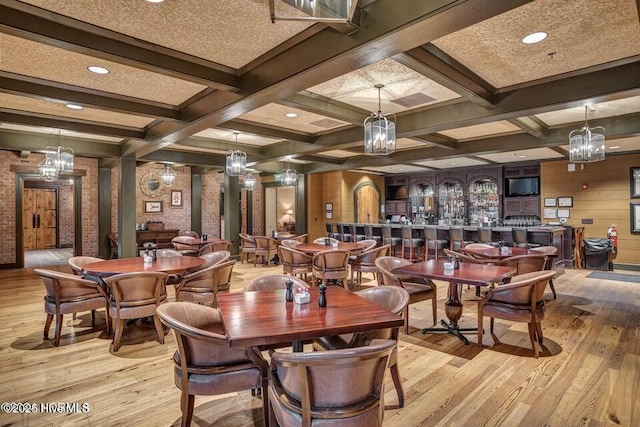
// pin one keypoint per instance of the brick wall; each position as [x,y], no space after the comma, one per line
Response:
[65,215]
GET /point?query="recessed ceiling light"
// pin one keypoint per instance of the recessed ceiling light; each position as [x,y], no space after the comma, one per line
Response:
[613,147]
[97,69]
[75,106]
[534,38]
[291,115]
[155,1]
[522,156]
[453,164]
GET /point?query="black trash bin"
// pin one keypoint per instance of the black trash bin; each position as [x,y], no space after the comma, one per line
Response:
[597,253]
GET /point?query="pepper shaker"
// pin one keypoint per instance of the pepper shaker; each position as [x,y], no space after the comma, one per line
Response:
[289,293]
[322,299]
[456,263]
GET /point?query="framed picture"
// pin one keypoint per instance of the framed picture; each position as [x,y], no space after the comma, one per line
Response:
[176,198]
[635,217]
[328,215]
[565,202]
[550,202]
[635,183]
[563,213]
[328,207]
[551,213]
[153,207]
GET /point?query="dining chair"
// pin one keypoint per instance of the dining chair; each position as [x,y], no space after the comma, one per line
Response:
[520,240]
[321,240]
[186,245]
[479,246]
[189,233]
[213,258]
[272,282]
[391,298]
[290,243]
[525,263]
[135,295]
[337,388]
[552,253]
[419,290]
[221,245]
[247,247]
[113,245]
[521,300]
[204,364]
[295,262]
[70,293]
[302,238]
[164,253]
[266,247]
[456,238]
[485,235]
[77,262]
[463,257]
[203,286]
[433,242]
[365,262]
[331,265]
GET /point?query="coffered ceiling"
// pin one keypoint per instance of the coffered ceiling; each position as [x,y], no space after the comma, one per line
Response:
[186,75]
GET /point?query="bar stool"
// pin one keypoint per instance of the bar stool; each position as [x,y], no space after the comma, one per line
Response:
[519,235]
[411,242]
[388,240]
[368,232]
[456,239]
[485,236]
[355,237]
[345,232]
[433,243]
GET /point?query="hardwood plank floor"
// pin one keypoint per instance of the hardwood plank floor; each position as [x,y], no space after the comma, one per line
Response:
[588,373]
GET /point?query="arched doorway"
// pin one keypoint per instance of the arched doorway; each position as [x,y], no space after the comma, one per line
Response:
[367,203]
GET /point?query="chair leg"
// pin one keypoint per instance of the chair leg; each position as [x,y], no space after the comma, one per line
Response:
[406,319]
[553,289]
[118,334]
[159,330]
[93,318]
[107,318]
[480,327]
[265,404]
[395,375]
[539,333]
[491,322]
[56,339]
[186,404]
[434,309]
[47,325]
[532,338]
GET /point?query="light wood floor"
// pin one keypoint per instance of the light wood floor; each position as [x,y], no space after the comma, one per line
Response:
[589,373]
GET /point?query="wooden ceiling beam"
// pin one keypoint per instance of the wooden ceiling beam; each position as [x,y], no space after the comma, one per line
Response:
[37,142]
[318,104]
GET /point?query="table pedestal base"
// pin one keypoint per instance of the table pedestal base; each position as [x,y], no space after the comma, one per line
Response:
[449,328]
[453,310]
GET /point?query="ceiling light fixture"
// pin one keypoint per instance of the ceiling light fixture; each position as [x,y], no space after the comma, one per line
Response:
[236,161]
[249,181]
[75,106]
[288,176]
[98,69]
[155,1]
[614,147]
[586,145]
[57,160]
[168,176]
[330,11]
[534,38]
[291,115]
[379,131]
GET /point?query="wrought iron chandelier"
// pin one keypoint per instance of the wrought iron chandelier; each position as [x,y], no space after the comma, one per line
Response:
[379,132]
[236,161]
[288,176]
[249,181]
[586,145]
[168,176]
[57,160]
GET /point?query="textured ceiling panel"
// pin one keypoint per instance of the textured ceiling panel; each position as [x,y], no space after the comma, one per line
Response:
[63,132]
[274,115]
[339,154]
[596,111]
[177,147]
[522,155]
[357,87]
[458,162]
[33,59]
[404,143]
[23,103]
[479,131]
[228,32]
[243,138]
[582,33]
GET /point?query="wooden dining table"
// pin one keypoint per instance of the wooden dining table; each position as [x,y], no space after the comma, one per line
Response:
[497,254]
[468,274]
[314,248]
[194,241]
[259,318]
[169,265]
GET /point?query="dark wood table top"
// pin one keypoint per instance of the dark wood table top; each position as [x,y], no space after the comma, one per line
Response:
[264,318]
[468,273]
[193,241]
[174,264]
[496,253]
[312,248]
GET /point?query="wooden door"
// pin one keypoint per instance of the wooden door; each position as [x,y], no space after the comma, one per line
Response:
[368,202]
[39,218]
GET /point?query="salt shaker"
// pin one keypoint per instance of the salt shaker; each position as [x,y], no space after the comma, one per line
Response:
[289,293]
[322,299]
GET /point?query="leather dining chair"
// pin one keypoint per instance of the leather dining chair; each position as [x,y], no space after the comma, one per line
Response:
[189,233]
[69,293]
[266,248]
[203,286]
[336,388]
[365,262]
[462,257]
[272,282]
[391,298]
[164,253]
[520,300]
[247,247]
[186,245]
[321,240]
[204,364]
[331,265]
[222,245]
[552,253]
[77,262]
[290,243]
[295,262]
[301,238]
[525,263]
[113,245]
[213,258]
[135,295]
[418,290]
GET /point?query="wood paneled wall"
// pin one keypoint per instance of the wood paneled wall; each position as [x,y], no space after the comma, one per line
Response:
[606,200]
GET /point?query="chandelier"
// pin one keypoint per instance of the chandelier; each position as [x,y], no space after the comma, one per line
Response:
[586,145]
[57,160]
[249,181]
[329,11]
[168,176]
[288,176]
[379,132]
[236,161]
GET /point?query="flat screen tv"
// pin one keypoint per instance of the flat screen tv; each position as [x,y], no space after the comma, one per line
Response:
[521,187]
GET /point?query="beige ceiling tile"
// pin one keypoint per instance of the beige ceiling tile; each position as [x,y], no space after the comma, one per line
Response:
[522,155]
[228,32]
[274,115]
[243,138]
[357,87]
[23,103]
[479,131]
[458,162]
[339,154]
[178,147]
[596,111]
[33,59]
[582,33]
[63,132]
[404,143]
[619,145]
